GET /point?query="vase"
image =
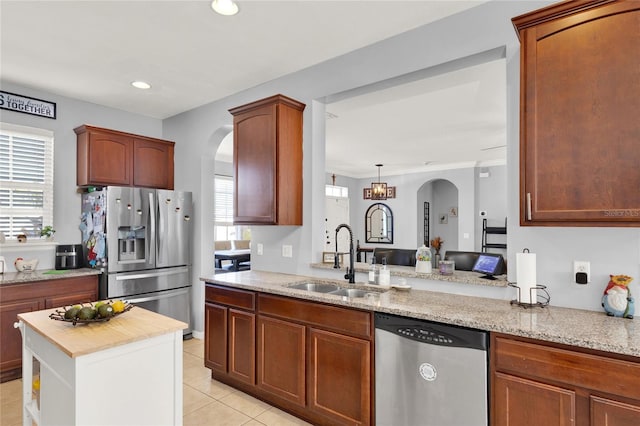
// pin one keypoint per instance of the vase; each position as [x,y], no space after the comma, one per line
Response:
[436,261]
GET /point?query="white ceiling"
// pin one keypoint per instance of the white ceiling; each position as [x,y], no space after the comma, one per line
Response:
[456,119]
[91,50]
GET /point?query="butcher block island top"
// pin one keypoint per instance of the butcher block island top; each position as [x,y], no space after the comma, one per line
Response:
[82,339]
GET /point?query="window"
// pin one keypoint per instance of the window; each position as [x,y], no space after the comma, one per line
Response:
[225,230]
[336,191]
[26,180]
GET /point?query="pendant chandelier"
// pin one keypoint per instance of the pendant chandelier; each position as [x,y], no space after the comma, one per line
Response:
[379,190]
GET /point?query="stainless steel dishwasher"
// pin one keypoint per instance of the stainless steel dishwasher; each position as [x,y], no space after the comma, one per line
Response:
[429,373]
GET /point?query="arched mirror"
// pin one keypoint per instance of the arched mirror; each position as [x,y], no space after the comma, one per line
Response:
[379,224]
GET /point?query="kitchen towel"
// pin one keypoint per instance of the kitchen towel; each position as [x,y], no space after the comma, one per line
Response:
[526,276]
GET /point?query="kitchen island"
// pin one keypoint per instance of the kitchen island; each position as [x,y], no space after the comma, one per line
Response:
[127,370]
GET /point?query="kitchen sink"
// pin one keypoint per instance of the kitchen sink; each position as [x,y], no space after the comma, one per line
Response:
[316,287]
[350,292]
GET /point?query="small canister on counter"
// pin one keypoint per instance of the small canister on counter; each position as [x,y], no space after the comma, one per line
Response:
[447,267]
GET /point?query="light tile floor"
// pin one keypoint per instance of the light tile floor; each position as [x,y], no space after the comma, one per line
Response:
[205,401]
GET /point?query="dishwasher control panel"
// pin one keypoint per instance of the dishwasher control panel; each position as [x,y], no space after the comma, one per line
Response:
[432,333]
[425,334]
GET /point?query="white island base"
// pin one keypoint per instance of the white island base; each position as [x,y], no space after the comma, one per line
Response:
[127,371]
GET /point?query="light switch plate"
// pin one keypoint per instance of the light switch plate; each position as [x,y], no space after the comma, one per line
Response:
[260,249]
[287,251]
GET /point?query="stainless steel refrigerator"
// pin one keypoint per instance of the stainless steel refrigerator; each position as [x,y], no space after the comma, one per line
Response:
[141,239]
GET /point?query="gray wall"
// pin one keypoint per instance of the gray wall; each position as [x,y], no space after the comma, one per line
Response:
[72,113]
[480,29]
[197,134]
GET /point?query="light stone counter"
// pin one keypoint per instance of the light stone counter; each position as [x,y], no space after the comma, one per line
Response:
[9,278]
[587,329]
[464,277]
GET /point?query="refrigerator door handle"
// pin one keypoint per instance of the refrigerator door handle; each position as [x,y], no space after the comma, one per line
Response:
[151,247]
[162,232]
[173,271]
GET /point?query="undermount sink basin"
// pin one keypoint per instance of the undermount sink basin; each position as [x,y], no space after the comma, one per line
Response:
[316,287]
[350,292]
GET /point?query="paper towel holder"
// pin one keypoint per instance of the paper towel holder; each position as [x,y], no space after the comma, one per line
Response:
[546,298]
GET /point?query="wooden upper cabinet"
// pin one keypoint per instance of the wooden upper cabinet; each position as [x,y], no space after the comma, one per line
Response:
[109,157]
[153,163]
[267,155]
[579,109]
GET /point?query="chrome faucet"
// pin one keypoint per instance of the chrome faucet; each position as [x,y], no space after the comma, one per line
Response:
[351,271]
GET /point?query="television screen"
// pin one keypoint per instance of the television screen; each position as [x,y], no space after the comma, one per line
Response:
[489,264]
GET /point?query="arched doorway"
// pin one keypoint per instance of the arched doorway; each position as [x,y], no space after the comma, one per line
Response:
[438,213]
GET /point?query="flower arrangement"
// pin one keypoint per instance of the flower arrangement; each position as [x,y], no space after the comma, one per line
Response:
[437,243]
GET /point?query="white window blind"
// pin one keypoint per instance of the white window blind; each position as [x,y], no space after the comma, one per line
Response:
[26,180]
[224,200]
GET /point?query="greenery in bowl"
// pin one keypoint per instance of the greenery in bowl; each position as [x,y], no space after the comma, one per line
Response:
[47,231]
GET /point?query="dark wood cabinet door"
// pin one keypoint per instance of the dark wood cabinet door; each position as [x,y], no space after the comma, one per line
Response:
[613,413]
[580,102]
[215,331]
[110,159]
[242,346]
[70,299]
[152,164]
[254,157]
[281,359]
[267,155]
[339,377]
[522,402]
[11,339]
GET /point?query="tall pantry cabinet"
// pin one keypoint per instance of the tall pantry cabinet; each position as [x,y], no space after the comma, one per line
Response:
[579,109]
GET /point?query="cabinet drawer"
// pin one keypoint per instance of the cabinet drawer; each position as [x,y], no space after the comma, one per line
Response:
[334,318]
[588,371]
[230,297]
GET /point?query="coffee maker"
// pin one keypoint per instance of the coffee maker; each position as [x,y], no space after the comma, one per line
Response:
[69,256]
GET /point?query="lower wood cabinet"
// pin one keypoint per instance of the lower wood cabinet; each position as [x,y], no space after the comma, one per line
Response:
[339,380]
[282,359]
[230,333]
[536,383]
[34,296]
[311,359]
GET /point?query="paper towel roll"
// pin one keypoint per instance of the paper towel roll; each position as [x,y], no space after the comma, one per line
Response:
[526,277]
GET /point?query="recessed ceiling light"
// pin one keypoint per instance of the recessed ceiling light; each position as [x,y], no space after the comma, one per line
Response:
[141,85]
[224,7]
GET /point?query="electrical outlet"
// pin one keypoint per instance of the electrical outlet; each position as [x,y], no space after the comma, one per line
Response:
[582,271]
[260,249]
[287,251]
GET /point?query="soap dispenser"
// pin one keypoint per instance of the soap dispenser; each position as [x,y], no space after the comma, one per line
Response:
[373,271]
[423,260]
[385,274]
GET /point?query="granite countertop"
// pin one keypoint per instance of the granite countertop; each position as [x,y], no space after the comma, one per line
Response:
[9,278]
[464,277]
[581,328]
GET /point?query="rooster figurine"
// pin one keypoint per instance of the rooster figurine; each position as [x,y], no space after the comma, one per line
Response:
[617,300]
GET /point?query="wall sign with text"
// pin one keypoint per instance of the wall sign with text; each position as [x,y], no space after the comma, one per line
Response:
[27,105]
